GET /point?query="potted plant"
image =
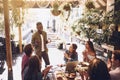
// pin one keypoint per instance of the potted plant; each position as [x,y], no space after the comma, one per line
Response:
[65,11]
[92,20]
[55,9]
[89,4]
[67,7]
[55,12]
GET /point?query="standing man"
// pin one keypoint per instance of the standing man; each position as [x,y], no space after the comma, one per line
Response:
[39,41]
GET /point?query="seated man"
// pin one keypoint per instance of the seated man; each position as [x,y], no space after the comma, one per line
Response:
[115,64]
[71,54]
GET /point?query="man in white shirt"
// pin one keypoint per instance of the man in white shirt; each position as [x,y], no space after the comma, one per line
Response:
[39,41]
[115,60]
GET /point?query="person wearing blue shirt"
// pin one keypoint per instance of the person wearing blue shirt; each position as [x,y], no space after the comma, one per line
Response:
[71,54]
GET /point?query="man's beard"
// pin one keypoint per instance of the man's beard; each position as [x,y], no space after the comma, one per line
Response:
[40,31]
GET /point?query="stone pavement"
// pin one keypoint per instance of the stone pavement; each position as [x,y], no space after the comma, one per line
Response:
[55,55]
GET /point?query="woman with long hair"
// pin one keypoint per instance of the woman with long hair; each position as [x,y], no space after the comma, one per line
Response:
[97,70]
[28,50]
[89,52]
[34,69]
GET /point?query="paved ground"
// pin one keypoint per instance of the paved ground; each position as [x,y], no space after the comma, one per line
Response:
[55,55]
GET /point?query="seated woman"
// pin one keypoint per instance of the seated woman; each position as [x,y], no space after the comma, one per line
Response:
[71,54]
[97,70]
[33,71]
[28,50]
[89,52]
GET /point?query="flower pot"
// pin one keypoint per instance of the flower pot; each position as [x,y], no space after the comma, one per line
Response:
[67,7]
[55,12]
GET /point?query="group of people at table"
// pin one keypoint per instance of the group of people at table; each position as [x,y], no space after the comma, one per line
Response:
[96,70]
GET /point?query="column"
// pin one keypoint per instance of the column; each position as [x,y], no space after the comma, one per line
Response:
[7,35]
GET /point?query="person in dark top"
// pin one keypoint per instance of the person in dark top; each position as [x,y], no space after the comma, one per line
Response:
[28,50]
[71,54]
[33,71]
[97,70]
[114,38]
